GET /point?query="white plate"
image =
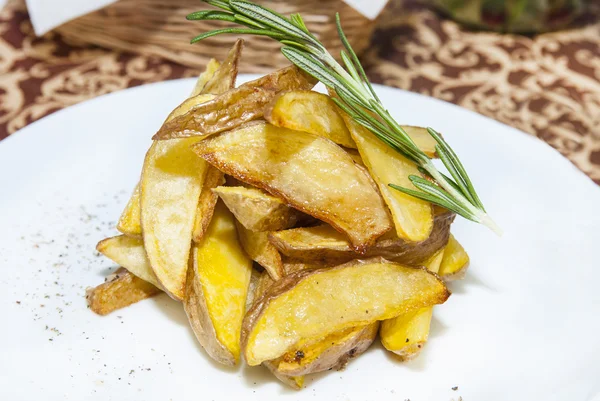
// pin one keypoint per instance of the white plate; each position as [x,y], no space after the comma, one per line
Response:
[523,325]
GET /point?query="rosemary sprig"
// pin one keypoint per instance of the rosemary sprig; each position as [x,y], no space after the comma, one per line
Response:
[357,98]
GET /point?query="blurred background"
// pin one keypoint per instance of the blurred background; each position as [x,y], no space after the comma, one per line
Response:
[531,64]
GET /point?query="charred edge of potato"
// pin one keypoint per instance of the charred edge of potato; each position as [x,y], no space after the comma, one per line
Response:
[196,310]
[290,281]
[224,78]
[335,357]
[236,106]
[121,289]
[394,249]
[207,202]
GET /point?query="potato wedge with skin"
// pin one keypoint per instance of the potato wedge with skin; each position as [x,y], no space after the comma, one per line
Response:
[413,218]
[332,352]
[256,244]
[207,202]
[171,185]
[455,262]
[295,382]
[317,303]
[130,222]
[235,107]
[223,79]
[121,289]
[129,252]
[310,112]
[217,288]
[406,335]
[310,173]
[323,245]
[257,210]
[211,68]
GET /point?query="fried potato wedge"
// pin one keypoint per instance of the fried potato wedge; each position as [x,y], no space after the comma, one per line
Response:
[121,289]
[256,244]
[310,112]
[211,68]
[235,107]
[413,218]
[207,202]
[223,79]
[129,253]
[332,352]
[323,245]
[406,335]
[455,262]
[317,303]
[217,288]
[310,173]
[257,210]
[130,222]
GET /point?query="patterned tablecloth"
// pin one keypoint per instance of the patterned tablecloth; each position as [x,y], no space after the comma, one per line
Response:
[548,85]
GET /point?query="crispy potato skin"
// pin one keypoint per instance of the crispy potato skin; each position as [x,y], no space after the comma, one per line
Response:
[211,68]
[333,248]
[235,107]
[282,162]
[257,210]
[415,288]
[121,289]
[196,309]
[207,202]
[333,352]
[223,79]
[310,112]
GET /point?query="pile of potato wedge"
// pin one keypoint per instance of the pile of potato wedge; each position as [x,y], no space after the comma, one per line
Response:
[265,210]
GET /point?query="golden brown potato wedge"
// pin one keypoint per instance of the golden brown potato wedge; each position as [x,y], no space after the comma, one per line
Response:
[211,68]
[257,210]
[406,335]
[324,245]
[455,262]
[332,352]
[207,202]
[310,112]
[297,382]
[256,244]
[217,288]
[308,172]
[317,303]
[130,220]
[171,185]
[129,253]
[121,289]
[235,107]
[413,218]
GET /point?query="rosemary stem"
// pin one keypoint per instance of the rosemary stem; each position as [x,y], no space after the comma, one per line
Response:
[480,215]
